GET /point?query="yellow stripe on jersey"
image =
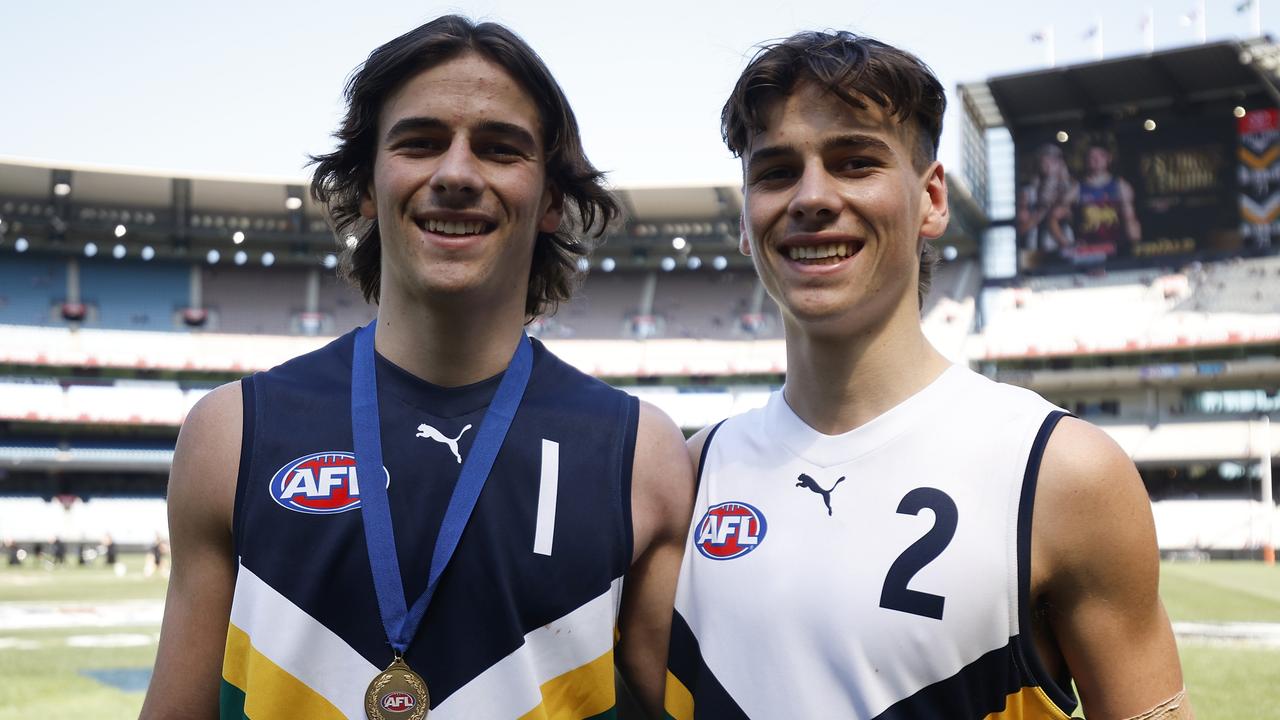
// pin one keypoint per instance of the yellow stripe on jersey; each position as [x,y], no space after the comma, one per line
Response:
[1029,703]
[678,701]
[582,692]
[270,692]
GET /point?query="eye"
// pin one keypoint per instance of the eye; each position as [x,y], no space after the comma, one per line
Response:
[773,175]
[857,163]
[420,145]
[502,151]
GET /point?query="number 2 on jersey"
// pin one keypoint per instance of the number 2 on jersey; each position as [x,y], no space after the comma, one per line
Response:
[896,595]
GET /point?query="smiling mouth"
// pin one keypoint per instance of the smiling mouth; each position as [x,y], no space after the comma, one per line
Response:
[828,254]
[456,227]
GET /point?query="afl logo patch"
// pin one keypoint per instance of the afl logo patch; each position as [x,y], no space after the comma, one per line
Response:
[730,530]
[321,483]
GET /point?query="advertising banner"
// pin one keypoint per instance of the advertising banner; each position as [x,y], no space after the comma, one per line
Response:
[1259,172]
[1136,194]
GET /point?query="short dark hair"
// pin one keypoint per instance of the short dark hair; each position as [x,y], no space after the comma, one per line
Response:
[855,69]
[341,179]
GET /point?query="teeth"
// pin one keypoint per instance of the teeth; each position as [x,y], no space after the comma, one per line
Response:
[449,227]
[818,252]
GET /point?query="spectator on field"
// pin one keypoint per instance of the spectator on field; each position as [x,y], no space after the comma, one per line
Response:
[112,553]
[156,555]
[13,551]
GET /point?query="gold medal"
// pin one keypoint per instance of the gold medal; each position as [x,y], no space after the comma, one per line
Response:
[397,693]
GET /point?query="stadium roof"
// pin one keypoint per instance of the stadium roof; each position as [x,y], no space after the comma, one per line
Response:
[1213,72]
[58,206]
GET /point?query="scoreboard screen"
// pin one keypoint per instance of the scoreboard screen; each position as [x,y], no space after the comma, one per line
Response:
[1146,192]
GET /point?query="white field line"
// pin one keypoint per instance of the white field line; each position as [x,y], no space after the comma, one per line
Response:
[1248,633]
[50,616]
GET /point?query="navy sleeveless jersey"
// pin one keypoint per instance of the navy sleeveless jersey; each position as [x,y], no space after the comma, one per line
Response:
[523,621]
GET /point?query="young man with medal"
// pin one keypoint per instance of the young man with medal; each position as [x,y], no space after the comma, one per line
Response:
[893,536]
[432,512]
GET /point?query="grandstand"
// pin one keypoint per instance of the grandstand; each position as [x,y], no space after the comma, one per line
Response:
[125,296]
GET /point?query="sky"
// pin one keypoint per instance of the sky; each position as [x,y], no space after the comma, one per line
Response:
[250,89]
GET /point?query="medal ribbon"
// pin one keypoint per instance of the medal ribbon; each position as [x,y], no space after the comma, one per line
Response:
[401,624]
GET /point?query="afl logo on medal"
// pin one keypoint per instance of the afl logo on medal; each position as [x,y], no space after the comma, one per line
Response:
[398,702]
[322,483]
[730,530]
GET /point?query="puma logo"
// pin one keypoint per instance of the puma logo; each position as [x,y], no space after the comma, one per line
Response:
[805,481]
[426,431]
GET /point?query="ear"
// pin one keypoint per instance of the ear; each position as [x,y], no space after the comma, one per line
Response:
[554,214]
[369,203]
[935,213]
[744,244]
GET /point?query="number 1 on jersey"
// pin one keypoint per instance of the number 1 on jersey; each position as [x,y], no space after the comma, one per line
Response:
[896,595]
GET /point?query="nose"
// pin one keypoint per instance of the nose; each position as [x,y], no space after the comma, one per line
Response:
[458,173]
[816,200]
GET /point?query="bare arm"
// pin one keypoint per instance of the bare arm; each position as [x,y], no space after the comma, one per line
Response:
[1096,572]
[188,670]
[661,503]
[1131,226]
[1026,218]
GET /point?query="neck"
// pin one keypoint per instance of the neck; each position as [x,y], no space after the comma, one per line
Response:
[837,382]
[452,343]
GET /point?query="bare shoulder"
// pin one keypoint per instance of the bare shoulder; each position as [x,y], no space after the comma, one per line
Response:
[1091,503]
[661,479]
[207,456]
[697,443]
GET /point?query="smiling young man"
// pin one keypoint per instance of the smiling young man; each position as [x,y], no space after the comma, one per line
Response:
[432,511]
[893,536]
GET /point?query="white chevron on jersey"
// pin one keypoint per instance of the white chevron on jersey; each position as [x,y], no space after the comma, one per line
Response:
[281,633]
[308,667]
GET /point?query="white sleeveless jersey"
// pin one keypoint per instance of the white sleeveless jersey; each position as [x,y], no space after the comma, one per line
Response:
[882,573]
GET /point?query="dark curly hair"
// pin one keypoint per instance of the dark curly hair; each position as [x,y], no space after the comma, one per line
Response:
[855,69]
[342,177]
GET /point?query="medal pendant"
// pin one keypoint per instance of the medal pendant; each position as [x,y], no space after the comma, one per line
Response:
[397,693]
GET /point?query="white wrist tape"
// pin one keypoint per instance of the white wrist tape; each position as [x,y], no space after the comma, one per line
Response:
[1175,708]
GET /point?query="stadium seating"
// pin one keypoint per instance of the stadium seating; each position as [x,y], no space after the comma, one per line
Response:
[122,402]
[1124,312]
[1235,286]
[601,308]
[256,301]
[711,305]
[343,305]
[30,286]
[133,295]
[129,521]
[1213,524]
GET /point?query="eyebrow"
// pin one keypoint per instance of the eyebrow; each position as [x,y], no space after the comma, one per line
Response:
[846,141]
[411,125]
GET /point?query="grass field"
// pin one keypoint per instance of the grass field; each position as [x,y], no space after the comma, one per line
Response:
[87,671]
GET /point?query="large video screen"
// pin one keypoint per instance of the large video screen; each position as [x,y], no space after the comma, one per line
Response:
[1130,195]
